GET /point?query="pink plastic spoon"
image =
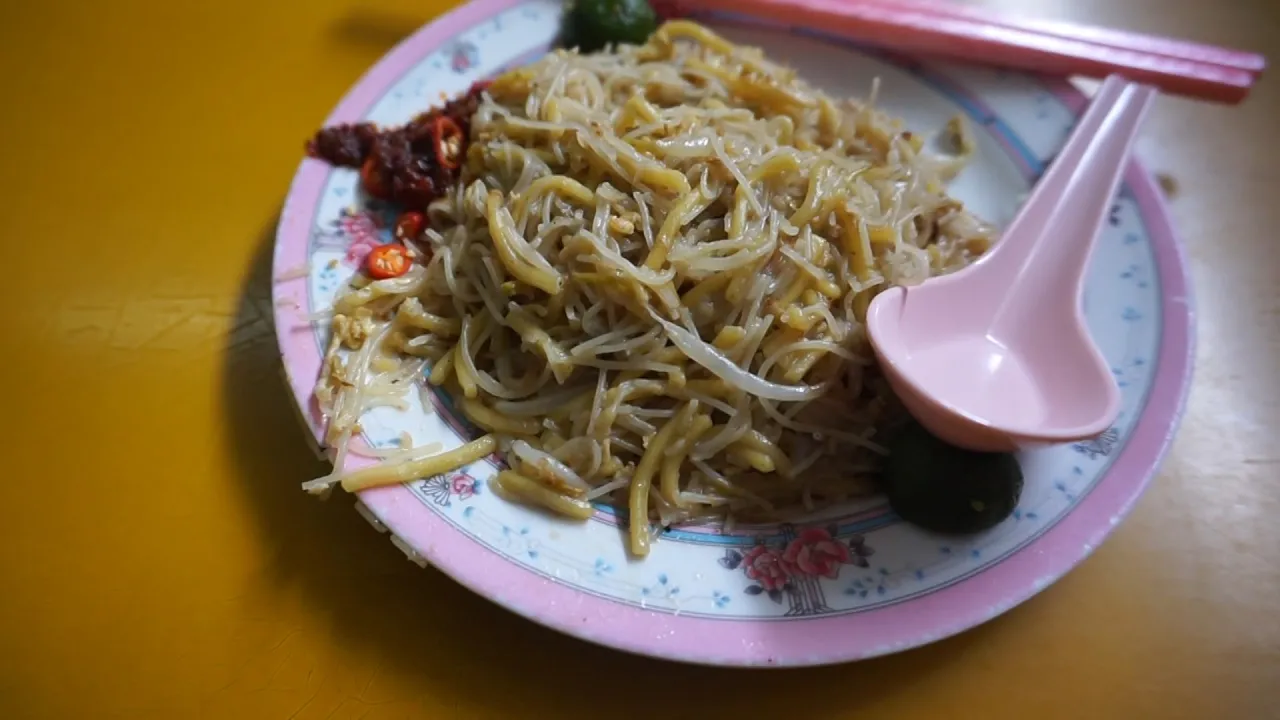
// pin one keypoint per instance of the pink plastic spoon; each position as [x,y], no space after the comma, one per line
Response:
[997,356]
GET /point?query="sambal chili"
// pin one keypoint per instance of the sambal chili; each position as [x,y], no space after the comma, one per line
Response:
[412,164]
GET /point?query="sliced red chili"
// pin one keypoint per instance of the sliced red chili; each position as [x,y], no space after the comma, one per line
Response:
[371,179]
[448,139]
[387,261]
[409,225]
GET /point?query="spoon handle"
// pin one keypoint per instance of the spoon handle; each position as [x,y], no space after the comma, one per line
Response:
[1045,251]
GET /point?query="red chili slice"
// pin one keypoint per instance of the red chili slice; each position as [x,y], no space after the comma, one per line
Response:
[371,179]
[387,261]
[410,225]
[448,140]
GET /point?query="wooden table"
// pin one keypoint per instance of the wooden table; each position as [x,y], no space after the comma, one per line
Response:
[159,562]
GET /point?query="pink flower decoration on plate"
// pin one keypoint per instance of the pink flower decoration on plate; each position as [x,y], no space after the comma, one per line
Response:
[464,486]
[465,56]
[360,248]
[815,552]
[357,223]
[767,567]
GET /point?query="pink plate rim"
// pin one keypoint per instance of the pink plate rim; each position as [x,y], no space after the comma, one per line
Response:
[931,617]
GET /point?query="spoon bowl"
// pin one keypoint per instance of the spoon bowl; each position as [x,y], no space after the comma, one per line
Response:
[994,392]
[998,356]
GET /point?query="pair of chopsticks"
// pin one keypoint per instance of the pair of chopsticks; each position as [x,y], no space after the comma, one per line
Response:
[941,29]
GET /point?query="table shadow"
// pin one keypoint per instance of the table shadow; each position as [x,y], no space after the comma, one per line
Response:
[439,639]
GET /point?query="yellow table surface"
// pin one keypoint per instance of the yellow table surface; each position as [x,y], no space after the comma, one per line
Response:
[157,559]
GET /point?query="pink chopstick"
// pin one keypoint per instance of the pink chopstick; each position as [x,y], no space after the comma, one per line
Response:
[916,26]
[1121,39]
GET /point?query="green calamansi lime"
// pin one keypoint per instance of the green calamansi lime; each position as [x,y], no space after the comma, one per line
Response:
[946,489]
[592,24]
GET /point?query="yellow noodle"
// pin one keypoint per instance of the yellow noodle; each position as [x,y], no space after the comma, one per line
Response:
[506,242]
[443,370]
[638,502]
[488,419]
[435,464]
[513,483]
[670,473]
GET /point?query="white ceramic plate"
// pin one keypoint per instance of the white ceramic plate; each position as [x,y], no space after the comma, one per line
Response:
[871,584]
